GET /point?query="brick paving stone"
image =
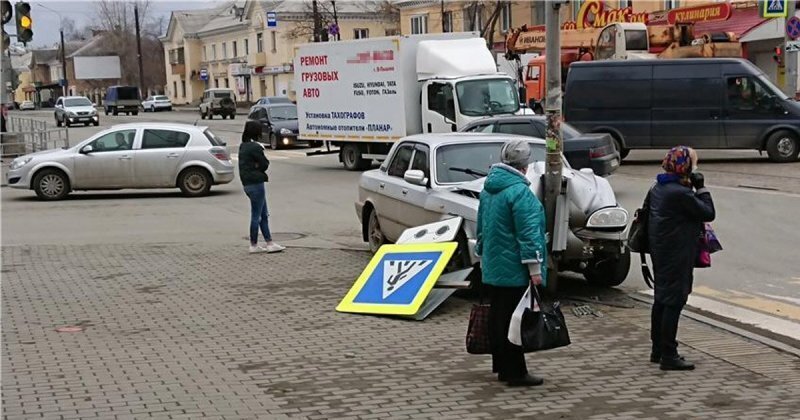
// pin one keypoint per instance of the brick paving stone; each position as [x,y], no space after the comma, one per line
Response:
[204,331]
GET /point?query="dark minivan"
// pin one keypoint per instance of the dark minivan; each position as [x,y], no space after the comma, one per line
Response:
[706,103]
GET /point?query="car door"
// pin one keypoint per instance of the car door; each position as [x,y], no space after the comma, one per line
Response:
[109,164]
[159,156]
[391,200]
[414,199]
[750,109]
[687,106]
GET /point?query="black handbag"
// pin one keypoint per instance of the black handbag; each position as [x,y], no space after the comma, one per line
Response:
[543,330]
[638,238]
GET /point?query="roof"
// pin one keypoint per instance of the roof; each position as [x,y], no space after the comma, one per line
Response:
[675,61]
[94,47]
[742,21]
[178,126]
[438,139]
[43,56]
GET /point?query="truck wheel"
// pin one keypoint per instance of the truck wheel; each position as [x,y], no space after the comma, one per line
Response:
[374,233]
[202,115]
[194,182]
[114,112]
[352,159]
[232,116]
[608,271]
[51,184]
[783,146]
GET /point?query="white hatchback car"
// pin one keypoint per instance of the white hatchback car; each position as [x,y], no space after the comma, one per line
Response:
[142,155]
[430,177]
[157,103]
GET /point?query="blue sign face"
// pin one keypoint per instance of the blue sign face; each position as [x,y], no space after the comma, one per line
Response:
[272,19]
[203,74]
[793,27]
[398,278]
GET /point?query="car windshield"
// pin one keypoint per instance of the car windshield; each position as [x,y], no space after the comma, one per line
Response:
[487,97]
[283,113]
[771,87]
[77,102]
[160,98]
[222,94]
[466,161]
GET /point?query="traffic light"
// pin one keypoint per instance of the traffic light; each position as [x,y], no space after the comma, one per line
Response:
[778,57]
[22,10]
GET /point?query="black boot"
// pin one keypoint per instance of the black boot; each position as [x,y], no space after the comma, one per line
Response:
[655,357]
[676,363]
[527,380]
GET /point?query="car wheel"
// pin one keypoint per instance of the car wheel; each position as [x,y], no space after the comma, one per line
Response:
[135,112]
[232,116]
[51,184]
[623,152]
[194,182]
[58,122]
[115,112]
[202,115]
[153,108]
[783,146]
[273,142]
[96,123]
[352,159]
[210,115]
[67,123]
[374,234]
[106,111]
[608,271]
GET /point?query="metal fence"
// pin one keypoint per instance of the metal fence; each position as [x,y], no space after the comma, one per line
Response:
[27,135]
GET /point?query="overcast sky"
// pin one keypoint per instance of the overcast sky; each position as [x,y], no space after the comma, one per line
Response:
[46,23]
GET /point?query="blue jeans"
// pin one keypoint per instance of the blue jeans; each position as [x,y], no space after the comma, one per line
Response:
[259,217]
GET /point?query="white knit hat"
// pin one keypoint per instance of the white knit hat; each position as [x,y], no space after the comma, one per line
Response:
[516,153]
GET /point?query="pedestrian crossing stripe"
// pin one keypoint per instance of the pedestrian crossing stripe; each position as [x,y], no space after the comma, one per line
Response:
[398,279]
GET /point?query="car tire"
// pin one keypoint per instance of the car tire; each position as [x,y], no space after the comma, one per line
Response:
[67,123]
[153,108]
[107,111]
[352,159]
[114,112]
[232,116]
[194,182]
[210,115]
[135,112]
[58,122]
[51,184]
[375,236]
[96,123]
[783,146]
[608,271]
[202,115]
[623,152]
[273,142]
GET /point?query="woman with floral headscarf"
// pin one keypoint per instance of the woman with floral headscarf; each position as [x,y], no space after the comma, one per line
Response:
[679,206]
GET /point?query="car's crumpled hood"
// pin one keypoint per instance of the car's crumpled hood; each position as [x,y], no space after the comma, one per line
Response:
[586,191]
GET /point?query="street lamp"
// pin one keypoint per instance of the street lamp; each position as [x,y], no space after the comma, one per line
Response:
[63,50]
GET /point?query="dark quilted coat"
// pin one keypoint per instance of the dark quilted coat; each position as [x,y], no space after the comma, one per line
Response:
[511,229]
[677,215]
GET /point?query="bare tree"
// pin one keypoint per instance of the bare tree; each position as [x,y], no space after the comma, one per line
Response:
[383,10]
[477,9]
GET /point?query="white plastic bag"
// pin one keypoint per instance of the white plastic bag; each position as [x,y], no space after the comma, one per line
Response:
[516,318]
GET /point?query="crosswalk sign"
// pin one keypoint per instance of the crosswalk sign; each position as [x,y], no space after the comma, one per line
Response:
[774,8]
[398,279]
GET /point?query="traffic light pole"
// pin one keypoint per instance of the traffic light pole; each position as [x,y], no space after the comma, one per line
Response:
[139,49]
[790,58]
[553,136]
[63,64]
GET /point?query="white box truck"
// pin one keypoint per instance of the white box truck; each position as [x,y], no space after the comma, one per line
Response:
[363,95]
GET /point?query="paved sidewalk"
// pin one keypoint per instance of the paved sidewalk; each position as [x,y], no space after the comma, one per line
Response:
[205,330]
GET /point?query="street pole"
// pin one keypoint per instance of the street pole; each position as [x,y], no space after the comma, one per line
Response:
[63,64]
[317,27]
[553,135]
[139,49]
[790,57]
[336,21]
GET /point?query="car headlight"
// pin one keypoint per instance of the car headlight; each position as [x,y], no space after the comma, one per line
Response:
[285,131]
[20,162]
[612,217]
[93,112]
[72,114]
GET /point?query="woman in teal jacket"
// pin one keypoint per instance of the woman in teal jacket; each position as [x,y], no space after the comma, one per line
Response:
[512,246]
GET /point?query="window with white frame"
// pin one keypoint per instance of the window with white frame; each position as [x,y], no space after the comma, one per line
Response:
[447,22]
[360,33]
[274,39]
[246,46]
[224,50]
[505,18]
[214,51]
[419,24]
[260,42]
[235,49]
[538,12]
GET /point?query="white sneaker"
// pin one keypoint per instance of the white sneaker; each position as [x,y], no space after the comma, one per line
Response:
[255,249]
[275,248]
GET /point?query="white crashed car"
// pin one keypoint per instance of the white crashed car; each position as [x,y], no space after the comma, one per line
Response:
[431,177]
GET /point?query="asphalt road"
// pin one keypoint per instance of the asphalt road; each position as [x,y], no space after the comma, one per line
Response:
[311,204]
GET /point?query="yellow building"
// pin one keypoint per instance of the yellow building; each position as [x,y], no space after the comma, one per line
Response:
[248,46]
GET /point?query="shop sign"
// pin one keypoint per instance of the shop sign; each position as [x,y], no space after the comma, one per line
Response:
[532,38]
[593,14]
[709,12]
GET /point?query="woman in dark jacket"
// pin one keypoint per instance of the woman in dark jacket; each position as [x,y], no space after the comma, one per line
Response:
[679,206]
[253,173]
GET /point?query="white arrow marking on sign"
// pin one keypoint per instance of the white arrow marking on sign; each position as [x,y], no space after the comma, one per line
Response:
[396,273]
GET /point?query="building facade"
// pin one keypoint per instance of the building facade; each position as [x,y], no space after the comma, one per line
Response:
[248,46]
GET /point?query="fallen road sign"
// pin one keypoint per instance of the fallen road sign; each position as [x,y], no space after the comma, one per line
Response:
[398,279]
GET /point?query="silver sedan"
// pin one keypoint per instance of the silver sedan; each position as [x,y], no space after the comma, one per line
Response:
[142,155]
[431,177]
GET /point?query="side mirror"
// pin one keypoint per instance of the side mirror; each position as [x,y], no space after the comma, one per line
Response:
[415,177]
[87,149]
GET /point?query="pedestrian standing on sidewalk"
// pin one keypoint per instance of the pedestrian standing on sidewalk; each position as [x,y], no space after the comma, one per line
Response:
[512,246]
[679,205]
[253,166]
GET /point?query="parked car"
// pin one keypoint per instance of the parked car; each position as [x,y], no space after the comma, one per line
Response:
[157,103]
[218,102]
[27,106]
[707,103]
[122,99]
[271,100]
[430,177]
[142,155]
[594,151]
[278,122]
[75,110]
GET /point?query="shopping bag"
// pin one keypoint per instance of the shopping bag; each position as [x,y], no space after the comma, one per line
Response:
[478,330]
[711,240]
[516,318]
[545,329]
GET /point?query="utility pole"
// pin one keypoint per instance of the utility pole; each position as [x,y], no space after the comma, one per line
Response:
[317,25]
[139,49]
[790,57]
[553,136]
[63,64]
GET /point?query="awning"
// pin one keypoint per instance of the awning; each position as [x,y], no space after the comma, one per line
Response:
[741,22]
